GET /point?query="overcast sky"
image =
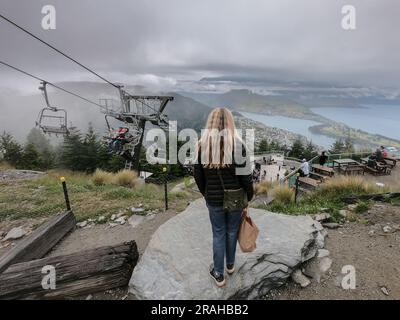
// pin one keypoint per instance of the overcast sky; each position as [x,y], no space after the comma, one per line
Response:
[166,44]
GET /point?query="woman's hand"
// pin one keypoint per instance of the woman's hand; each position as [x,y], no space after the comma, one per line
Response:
[245,212]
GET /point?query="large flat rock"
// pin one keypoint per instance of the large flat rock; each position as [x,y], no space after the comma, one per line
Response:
[175,264]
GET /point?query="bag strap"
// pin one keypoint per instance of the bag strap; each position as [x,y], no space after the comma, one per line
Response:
[220,179]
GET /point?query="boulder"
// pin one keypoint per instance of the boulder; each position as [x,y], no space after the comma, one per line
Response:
[176,261]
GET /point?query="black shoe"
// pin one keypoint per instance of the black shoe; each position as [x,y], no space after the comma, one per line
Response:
[218,278]
[230,268]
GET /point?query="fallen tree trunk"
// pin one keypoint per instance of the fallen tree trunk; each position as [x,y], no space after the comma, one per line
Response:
[374,197]
[76,274]
[40,241]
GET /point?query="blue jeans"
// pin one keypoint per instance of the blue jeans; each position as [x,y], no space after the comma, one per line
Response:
[225,228]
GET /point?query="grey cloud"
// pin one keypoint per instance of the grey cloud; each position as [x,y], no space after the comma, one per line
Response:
[164,42]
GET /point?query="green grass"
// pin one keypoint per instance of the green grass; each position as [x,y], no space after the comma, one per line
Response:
[44,197]
[362,207]
[327,196]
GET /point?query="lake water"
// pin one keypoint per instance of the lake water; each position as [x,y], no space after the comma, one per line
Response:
[379,119]
[299,126]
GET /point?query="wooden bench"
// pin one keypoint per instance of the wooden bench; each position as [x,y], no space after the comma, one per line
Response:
[317,168]
[353,169]
[317,176]
[307,182]
[392,161]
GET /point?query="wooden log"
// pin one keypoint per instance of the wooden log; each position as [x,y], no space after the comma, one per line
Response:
[40,241]
[76,274]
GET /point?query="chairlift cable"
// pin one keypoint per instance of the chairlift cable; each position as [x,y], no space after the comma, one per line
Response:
[49,83]
[68,57]
[57,50]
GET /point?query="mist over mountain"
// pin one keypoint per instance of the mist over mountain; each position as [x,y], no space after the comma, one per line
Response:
[20,111]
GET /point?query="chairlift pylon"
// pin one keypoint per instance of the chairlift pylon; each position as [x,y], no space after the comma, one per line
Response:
[51,119]
[133,111]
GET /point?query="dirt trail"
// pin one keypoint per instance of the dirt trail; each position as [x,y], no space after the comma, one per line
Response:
[374,254]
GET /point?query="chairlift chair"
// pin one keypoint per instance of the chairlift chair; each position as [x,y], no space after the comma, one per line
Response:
[51,119]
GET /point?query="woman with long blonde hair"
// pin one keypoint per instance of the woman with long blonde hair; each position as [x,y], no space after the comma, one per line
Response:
[225,189]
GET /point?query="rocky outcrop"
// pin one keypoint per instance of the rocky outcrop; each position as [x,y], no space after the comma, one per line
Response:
[176,262]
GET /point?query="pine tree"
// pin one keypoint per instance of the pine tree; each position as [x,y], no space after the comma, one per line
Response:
[72,151]
[297,150]
[338,146]
[43,146]
[31,159]
[310,151]
[263,146]
[10,149]
[348,145]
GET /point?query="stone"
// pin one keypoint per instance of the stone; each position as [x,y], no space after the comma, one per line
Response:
[322,253]
[14,234]
[385,291]
[352,207]
[371,233]
[299,278]
[82,224]
[325,264]
[331,225]
[112,224]
[89,297]
[113,217]
[317,268]
[101,219]
[120,214]
[136,210]
[343,213]
[120,220]
[176,261]
[322,216]
[324,209]
[387,229]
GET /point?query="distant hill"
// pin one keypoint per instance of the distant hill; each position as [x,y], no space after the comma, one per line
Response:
[188,112]
[246,100]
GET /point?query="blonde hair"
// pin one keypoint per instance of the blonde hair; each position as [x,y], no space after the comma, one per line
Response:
[221,125]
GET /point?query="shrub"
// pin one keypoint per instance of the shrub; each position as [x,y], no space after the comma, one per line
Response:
[126,178]
[283,194]
[101,177]
[263,187]
[362,207]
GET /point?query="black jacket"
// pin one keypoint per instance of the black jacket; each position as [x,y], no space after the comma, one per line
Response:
[210,185]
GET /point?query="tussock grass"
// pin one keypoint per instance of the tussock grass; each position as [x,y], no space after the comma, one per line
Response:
[123,178]
[101,177]
[330,196]
[263,187]
[126,178]
[283,194]
[346,186]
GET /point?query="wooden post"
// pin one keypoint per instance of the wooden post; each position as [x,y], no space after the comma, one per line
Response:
[165,188]
[297,188]
[65,193]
